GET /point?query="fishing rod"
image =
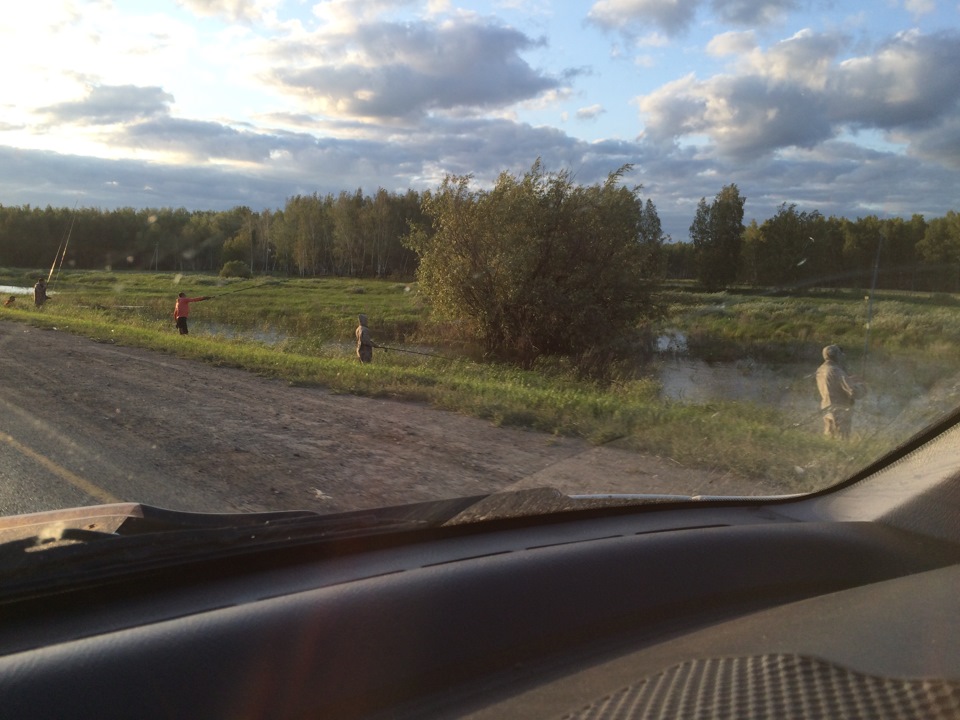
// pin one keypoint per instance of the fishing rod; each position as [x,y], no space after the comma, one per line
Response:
[63,245]
[414,352]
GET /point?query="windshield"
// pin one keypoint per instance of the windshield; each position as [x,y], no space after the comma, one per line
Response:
[341,255]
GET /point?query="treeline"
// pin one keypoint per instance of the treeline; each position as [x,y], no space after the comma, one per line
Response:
[350,234]
[795,249]
[353,234]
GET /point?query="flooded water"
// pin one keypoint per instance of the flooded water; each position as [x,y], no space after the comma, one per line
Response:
[15,290]
[896,393]
[695,381]
[895,397]
[686,379]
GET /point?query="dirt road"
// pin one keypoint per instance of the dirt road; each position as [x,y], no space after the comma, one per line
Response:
[85,422]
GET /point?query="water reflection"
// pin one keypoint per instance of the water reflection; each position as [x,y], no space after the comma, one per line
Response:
[672,342]
[696,381]
[897,395]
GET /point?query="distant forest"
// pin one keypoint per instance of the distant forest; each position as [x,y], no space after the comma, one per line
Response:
[358,235]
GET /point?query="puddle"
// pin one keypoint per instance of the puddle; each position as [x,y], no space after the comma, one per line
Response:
[15,290]
[894,397]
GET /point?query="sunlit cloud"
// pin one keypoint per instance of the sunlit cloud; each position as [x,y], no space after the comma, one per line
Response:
[589,113]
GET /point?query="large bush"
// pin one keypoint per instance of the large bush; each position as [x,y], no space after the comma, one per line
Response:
[235,268]
[540,265]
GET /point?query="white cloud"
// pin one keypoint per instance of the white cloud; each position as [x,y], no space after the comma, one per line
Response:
[753,12]
[732,43]
[345,16]
[672,16]
[232,10]
[909,82]
[799,94]
[805,59]
[591,112]
[653,39]
[675,17]
[106,105]
[920,7]
[392,70]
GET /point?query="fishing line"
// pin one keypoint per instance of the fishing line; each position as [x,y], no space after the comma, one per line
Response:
[249,287]
[415,352]
[873,289]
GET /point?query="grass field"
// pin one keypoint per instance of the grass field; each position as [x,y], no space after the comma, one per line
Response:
[301,331]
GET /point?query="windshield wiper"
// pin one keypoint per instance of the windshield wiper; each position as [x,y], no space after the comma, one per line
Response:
[82,546]
[44,552]
[95,524]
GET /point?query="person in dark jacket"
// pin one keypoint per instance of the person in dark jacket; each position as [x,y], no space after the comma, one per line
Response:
[40,292]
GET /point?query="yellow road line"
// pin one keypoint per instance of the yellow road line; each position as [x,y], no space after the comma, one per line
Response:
[78,482]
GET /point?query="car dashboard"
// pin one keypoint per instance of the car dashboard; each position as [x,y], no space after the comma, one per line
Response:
[839,604]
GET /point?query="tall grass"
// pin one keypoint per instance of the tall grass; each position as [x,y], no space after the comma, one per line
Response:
[729,325]
[305,338]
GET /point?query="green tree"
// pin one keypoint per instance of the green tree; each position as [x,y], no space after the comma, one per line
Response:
[941,240]
[651,238]
[753,255]
[680,260]
[716,233]
[788,247]
[538,265]
[940,248]
[303,235]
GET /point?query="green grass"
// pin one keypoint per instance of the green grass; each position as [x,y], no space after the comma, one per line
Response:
[307,334]
[720,325]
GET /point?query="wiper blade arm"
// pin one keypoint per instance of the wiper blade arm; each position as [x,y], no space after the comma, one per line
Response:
[122,519]
[47,551]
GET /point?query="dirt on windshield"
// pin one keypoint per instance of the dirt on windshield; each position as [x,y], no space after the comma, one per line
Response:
[149,427]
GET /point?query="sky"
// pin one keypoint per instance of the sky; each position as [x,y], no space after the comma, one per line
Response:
[846,108]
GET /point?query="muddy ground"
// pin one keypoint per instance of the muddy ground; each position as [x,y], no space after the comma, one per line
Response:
[98,422]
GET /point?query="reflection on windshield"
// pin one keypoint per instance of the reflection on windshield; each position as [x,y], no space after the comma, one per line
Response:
[598,250]
[708,406]
[894,397]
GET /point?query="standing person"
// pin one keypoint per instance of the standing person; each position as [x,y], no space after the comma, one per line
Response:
[838,390]
[365,343]
[40,292]
[182,311]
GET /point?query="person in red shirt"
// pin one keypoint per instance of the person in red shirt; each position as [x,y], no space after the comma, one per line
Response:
[182,310]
